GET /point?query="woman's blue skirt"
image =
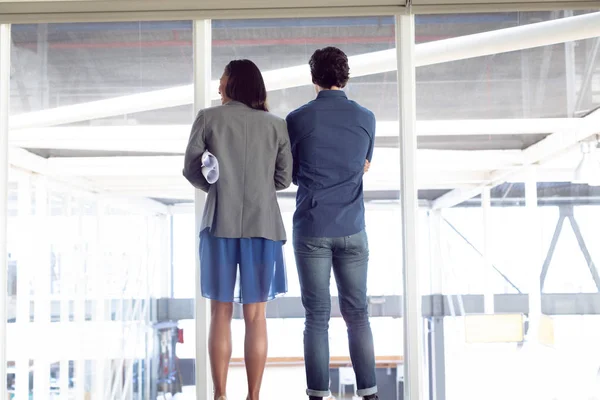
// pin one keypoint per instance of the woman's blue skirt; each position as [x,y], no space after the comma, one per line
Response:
[248,270]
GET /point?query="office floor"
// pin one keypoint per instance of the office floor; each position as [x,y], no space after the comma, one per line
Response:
[189,394]
[277,385]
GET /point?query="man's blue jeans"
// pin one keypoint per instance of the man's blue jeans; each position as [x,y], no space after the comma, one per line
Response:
[349,256]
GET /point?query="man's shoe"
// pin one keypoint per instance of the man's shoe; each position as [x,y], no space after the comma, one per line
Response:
[372,397]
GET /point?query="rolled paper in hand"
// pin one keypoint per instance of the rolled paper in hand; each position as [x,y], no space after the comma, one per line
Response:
[209,160]
[210,167]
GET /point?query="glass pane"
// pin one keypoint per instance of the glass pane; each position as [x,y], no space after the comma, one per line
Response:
[511,262]
[541,82]
[286,43]
[89,103]
[285,368]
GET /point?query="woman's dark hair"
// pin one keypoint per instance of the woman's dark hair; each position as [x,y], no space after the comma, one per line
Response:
[246,85]
[329,67]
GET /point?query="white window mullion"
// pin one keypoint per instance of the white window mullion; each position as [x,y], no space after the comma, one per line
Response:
[414,355]
[102,376]
[42,298]
[202,78]
[5,46]
[24,265]
[68,261]
[79,307]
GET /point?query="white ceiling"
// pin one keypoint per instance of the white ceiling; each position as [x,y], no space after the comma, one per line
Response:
[30,11]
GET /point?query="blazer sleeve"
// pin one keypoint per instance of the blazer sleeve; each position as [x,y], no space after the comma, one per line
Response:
[291,134]
[192,165]
[283,165]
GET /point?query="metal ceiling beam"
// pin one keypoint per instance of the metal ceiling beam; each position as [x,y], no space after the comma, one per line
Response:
[436,305]
[175,188]
[449,160]
[438,169]
[478,6]
[24,160]
[389,199]
[30,163]
[173,138]
[546,149]
[36,11]
[511,39]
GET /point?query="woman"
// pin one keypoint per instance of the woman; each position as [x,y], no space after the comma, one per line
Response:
[242,229]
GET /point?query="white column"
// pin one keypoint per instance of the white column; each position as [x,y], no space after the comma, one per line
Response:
[24,266]
[5,45]
[70,258]
[413,321]
[486,208]
[202,77]
[436,261]
[42,298]
[79,307]
[570,72]
[151,294]
[102,374]
[534,259]
[164,272]
[436,254]
[140,373]
[116,391]
[149,370]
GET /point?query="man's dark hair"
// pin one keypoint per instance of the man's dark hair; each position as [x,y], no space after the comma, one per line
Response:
[245,84]
[329,67]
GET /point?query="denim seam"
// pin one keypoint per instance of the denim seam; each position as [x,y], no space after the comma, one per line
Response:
[318,393]
[367,392]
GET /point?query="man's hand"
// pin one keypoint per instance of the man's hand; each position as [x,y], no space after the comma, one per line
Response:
[367,166]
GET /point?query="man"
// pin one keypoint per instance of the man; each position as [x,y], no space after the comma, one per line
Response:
[332,142]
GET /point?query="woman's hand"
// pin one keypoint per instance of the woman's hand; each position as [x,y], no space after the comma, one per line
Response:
[367,166]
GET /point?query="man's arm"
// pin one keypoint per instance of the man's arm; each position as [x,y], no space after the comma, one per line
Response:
[192,165]
[371,129]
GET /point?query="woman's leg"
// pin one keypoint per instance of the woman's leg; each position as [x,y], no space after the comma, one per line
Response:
[255,346]
[219,344]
